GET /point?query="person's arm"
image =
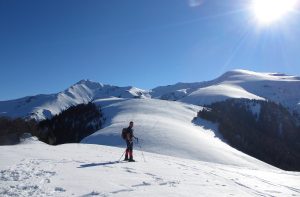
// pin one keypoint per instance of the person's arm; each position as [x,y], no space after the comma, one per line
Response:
[134,137]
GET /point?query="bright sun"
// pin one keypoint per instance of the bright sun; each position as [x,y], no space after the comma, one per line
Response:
[270,11]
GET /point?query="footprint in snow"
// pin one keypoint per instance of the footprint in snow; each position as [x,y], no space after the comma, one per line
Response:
[153,176]
[142,184]
[59,189]
[160,181]
[274,192]
[94,193]
[170,183]
[130,170]
[122,190]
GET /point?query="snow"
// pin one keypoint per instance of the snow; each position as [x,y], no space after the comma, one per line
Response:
[161,90]
[167,127]
[217,93]
[184,155]
[275,87]
[176,95]
[37,169]
[255,108]
[209,128]
[45,106]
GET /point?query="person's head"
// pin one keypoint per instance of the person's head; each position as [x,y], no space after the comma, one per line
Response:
[131,124]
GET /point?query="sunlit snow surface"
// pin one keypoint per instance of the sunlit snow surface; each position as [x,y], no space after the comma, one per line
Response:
[36,169]
[167,127]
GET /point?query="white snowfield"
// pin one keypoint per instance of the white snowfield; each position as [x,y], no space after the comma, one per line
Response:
[167,127]
[36,169]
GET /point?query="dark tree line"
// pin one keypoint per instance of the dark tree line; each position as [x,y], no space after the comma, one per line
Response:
[70,126]
[271,135]
[12,129]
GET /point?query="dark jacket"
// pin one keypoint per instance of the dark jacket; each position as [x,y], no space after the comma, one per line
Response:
[129,134]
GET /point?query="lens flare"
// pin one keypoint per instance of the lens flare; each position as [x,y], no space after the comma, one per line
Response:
[270,11]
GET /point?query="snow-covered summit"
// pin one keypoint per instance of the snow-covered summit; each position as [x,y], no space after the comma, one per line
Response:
[247,75]
[84,91]
[238,83]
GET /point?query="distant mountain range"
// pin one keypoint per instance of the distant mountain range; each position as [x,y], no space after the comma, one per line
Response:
[276,87]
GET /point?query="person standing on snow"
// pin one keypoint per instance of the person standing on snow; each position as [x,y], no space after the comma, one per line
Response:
[128,136]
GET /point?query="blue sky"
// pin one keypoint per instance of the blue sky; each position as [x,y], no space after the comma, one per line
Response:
[46,46]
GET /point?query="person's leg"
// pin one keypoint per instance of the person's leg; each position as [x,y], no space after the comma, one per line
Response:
[131,152]
[127,150]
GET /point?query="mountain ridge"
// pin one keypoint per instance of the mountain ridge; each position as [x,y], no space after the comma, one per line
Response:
[237,83]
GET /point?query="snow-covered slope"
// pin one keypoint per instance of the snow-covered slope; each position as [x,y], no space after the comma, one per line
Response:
[166,127]
[45,106]
[36,169]
[219,92]
[236,84]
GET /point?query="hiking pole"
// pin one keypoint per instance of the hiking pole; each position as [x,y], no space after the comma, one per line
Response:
[137,140]
[121,156]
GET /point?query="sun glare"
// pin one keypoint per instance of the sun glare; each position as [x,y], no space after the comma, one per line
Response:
[270,11]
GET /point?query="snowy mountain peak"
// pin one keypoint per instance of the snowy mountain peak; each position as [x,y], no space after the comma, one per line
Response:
[90,84]
[239,74]
[237,83]
[45,106]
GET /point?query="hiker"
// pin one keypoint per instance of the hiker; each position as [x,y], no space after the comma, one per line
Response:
[128,136]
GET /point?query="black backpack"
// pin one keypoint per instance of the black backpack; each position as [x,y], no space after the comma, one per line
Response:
[124,133]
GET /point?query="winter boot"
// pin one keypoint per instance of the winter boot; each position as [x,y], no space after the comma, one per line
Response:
[131,160]
[131,157]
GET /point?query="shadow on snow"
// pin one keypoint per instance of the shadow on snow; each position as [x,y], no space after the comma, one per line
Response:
[98,164]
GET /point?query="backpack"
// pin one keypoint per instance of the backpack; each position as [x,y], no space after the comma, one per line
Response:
[124,133]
